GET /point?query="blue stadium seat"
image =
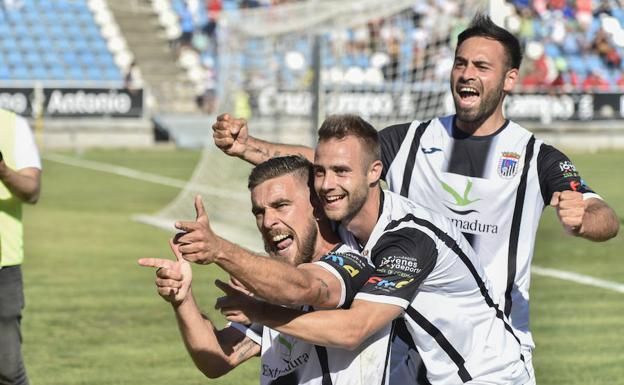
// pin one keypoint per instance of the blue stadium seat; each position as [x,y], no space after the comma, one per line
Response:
[87,59]
[4,73]
[57,73]
[70,58]
[76,73]
[19,73]
[15,59]
[39,73]
[94,73]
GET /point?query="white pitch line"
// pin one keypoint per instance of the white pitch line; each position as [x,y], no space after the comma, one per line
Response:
[144,176]
[578,278]
[163,180]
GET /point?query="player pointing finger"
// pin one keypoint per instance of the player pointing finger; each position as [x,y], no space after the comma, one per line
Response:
[173,278]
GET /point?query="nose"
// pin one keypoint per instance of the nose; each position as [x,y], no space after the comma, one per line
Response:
[468,72]
[269,219]
[327,182]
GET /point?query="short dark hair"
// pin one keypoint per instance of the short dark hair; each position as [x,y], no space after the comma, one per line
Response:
[278,166]
[482,26]
[339,126]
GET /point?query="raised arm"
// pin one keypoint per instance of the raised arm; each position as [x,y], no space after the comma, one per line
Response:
[589,218]
[232,137]
[214,352]
[345,329]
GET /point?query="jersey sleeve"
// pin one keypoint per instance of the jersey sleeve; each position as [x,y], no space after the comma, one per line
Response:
[26,154]
[253,331]
[351,269]
[556,172]
[404,259]
[390,139]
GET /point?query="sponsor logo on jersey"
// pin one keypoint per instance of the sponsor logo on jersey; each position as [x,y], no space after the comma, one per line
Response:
[460,200]
[508,165]
[348,261]
[567,169]
[430,150]
[387,284]
[400,263]
[474,226]
[274,372]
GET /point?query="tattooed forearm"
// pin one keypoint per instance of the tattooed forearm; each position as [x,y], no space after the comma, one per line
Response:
[323,291]
[244,349]
[262,151]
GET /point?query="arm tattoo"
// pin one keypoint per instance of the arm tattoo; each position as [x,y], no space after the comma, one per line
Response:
[324,288]
[243,349]
[262,151]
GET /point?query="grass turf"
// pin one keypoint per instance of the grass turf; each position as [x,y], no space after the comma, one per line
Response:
[93,316]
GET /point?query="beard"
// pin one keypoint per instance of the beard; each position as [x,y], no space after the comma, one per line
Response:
[357,198]
[306,246]
[486,108]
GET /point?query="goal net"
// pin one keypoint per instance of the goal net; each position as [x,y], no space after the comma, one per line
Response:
[286,67]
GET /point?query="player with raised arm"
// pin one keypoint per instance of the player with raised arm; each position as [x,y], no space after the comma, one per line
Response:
[426,272]
[491,177]
[305,262]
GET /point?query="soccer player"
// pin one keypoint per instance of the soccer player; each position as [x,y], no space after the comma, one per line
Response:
[426,272]
[294,234]
[491,177]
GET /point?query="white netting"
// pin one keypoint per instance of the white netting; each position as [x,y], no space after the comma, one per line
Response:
[386,61]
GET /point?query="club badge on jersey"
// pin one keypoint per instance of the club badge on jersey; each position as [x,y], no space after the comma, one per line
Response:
[508,165]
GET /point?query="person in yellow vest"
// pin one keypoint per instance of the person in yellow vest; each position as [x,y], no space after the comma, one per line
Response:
[20,182]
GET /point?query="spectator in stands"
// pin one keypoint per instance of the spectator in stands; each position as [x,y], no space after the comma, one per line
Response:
[186,23]
[595,82]
[20,182]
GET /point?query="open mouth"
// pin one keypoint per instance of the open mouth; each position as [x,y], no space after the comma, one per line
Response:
[468,95]
[332,200]
[281,241]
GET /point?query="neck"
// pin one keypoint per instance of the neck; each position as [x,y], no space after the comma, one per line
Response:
[326,241]
[483,127]
[363,223]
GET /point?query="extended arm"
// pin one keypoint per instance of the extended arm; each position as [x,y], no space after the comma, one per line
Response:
[231,136]
[215,352]
[270,279]
[24,183]
[345,329]
[591,218]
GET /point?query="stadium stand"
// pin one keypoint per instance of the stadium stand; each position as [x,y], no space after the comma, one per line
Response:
[60,41]
[570,45]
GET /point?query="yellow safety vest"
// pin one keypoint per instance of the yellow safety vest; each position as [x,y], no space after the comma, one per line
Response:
[11,229]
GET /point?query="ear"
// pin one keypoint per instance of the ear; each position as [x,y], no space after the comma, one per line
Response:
[374,171]
[510,80]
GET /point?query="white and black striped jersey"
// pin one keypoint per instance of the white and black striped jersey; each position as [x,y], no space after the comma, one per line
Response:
[286,360]
[492,188]
[425,266]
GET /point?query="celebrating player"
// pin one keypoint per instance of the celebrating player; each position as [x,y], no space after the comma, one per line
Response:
[491,177]
[426,272]
[294,234]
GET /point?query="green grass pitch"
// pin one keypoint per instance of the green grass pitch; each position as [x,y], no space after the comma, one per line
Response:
[93,316]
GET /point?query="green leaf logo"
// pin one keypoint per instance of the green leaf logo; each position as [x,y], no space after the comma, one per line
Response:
[460,200]
[284,342]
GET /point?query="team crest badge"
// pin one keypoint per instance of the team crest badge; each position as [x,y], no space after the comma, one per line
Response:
[508,165]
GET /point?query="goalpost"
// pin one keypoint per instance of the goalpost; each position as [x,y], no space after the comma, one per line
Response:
[286,67]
